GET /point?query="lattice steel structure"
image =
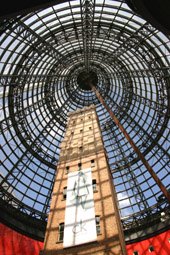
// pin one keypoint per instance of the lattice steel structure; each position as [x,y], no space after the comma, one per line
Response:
[43,56]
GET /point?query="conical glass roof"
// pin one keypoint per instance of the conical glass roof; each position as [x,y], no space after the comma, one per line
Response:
[43,54]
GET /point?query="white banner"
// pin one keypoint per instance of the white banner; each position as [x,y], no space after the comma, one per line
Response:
[80,225]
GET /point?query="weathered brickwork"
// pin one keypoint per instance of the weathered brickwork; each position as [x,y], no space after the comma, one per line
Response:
[83,144]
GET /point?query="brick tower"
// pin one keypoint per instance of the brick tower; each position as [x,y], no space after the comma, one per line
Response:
[83,218]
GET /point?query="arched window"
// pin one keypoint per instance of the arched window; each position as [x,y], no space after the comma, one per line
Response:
[61,232]
[64,193]
[94,185]
[79,166]
[92,163]
[67,169]
[97,224]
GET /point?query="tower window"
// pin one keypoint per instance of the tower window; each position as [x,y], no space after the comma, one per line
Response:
[98,224]
[61,232]
[92,163]
[67,169]
[80,148]
[81,130]
[89,128]
[151,248]
[94,185]
[64,192]
[79,166]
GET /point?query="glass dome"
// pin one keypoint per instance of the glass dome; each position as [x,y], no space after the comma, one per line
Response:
[43,54]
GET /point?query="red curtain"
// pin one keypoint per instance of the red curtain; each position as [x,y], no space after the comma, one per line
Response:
[13,243]
[160,243]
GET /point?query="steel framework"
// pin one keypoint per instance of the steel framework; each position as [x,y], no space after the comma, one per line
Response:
[42,57]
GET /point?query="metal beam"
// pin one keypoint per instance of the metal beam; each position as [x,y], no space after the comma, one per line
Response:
[136,149]
[87,11]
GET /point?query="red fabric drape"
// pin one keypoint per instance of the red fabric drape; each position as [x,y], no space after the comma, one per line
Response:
[13,243]
[161,244]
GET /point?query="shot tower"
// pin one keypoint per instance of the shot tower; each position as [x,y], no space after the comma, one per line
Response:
[83,218]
